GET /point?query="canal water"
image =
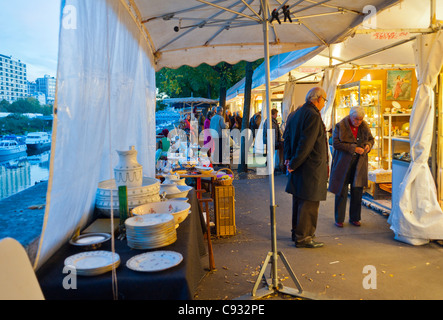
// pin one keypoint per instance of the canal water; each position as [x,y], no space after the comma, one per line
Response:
[20,173]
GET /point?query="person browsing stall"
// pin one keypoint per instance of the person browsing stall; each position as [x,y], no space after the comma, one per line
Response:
[306,150]
[352,141]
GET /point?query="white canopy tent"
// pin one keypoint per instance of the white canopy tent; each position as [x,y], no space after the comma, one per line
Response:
[109,52]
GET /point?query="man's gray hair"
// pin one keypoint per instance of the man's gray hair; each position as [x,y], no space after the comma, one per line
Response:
[315,93]
[357,111]
[219,109]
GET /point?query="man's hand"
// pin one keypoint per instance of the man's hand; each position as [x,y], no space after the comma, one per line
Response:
[287,166]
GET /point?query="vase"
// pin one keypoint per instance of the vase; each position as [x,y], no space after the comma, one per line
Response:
[128,171]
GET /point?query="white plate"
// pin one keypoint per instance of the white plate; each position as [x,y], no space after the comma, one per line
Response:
[89,239]
[154,261]
[149,220]
[93,262]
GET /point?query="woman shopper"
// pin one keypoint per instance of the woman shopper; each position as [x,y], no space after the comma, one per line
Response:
[352,141]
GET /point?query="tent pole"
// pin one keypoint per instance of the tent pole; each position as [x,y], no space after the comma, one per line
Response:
[273,284]
[270,147]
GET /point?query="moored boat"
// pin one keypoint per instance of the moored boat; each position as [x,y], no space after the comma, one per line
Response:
[36,141]
[11,148]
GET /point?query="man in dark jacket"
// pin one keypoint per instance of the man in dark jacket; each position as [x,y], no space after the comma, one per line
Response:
[306,157]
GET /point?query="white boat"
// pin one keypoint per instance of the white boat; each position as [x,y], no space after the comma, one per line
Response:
[11,148]
[38,141]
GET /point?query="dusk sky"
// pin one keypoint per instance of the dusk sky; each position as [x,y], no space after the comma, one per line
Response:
[29,32]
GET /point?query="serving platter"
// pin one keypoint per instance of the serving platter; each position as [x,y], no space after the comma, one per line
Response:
[90,240]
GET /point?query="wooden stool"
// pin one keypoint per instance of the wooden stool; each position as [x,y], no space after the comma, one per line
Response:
[204,203]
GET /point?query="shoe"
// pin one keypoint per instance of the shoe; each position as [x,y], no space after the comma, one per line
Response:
[355,223]
[310,244]
[339,224]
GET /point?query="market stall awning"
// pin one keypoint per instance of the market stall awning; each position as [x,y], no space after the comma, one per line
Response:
[189,102]
[191,32]
[383,40]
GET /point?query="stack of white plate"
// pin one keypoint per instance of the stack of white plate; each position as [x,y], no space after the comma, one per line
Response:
[93,263]
[147,193]
[150,231]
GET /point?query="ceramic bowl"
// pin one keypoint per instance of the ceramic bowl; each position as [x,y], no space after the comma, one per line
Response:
[182,193]
[179,209]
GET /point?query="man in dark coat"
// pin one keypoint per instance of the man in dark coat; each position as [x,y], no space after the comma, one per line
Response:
[352,140]
[306,157]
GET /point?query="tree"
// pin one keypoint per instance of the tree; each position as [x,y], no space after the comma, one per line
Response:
[203,81]
[4,104]
[243,167]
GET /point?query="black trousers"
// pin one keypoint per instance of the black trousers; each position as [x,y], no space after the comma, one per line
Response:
[304,219]
[342,197]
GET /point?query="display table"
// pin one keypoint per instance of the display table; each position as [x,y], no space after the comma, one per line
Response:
[177,283]
[212,176]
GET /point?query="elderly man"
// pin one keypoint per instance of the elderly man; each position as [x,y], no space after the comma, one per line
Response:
[352,140]
[217,125]
[306,157]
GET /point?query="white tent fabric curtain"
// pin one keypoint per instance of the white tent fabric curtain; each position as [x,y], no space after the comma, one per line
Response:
[331,79]
[417,217]
[105,102]
[288,104]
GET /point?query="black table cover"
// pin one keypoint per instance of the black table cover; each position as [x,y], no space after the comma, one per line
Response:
[177,283]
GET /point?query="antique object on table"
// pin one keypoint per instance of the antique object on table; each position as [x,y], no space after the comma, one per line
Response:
[183,192]
[154,261]
[179,209]
[151,231]
[169,188]
[205,170]
[175,191]
[93,263]
[90,241]
[128,171]
[224,179]
[148,192]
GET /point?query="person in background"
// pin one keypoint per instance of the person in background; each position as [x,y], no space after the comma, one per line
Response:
[201,122]
[208,143]
[254,123]
[238,120]
[278,139]
[307,162]
[218,124]
[352,140]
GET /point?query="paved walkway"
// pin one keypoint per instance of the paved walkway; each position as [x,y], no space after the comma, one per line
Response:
[335,271]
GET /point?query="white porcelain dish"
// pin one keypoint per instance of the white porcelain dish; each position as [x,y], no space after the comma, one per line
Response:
[154,261]
[179,209]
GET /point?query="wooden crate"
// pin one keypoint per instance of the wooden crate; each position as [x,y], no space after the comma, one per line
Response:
[224,208]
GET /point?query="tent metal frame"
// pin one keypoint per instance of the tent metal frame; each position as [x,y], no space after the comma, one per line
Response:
[238,20]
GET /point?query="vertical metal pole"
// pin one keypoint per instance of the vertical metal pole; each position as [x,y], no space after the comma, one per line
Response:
[270,146]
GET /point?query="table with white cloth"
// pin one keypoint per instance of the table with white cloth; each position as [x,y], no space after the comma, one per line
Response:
[177,283]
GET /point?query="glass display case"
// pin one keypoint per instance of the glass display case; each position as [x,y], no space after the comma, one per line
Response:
[366,94]
[395,138]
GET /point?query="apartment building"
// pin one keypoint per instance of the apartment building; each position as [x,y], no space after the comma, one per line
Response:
[13,79]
